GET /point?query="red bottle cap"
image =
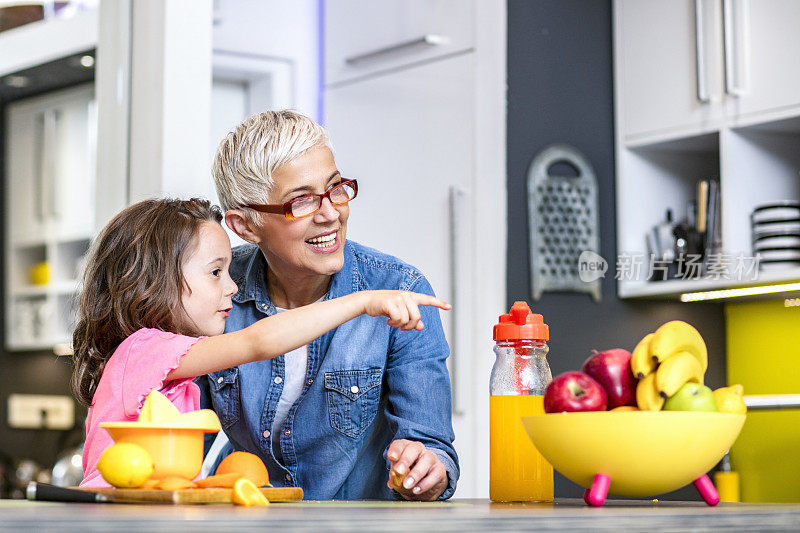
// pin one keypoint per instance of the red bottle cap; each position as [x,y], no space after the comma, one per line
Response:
[521,323]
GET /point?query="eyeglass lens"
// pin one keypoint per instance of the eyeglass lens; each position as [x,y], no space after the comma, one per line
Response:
[307,205]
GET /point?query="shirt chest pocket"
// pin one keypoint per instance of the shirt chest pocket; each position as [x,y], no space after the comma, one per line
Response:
[353,397]
[225,395]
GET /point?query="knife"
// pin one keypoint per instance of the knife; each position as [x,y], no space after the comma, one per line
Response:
[52,493]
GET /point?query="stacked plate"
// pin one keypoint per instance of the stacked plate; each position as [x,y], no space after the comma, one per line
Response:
[776,234]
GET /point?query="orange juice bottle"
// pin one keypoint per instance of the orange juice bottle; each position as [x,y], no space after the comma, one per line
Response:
[517,471]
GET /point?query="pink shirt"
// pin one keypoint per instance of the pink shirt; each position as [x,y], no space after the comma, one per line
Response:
[139,364]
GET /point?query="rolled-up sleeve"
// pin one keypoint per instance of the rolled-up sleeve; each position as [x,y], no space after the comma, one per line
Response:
[418,384]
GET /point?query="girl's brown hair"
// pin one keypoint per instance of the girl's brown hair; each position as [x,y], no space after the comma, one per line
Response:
[133,280]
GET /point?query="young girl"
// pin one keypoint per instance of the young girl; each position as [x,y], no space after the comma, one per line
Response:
[152,311]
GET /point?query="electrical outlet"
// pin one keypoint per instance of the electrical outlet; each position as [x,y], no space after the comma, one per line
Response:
[33,411]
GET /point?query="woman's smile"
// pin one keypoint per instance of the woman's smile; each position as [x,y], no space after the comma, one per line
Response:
[325,242]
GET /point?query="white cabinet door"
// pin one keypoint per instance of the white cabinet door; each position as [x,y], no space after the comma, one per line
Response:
[764,55]
[409,137]
[51,165]
[363,37]
[669,66]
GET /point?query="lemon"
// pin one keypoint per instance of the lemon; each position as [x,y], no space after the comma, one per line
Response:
[125,465]
[40,273]
[158,408]
[730,400]
[246,493]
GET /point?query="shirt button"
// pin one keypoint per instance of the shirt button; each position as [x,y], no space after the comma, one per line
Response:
[277,380]
[354,389]
[263,306]
[287,432]
[288,478]
[266,434]
[310,381]
[219,379]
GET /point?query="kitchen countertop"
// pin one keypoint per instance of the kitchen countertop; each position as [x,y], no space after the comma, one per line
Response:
[454,515]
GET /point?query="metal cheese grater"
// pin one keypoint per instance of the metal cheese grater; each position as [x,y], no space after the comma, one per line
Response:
[563,222]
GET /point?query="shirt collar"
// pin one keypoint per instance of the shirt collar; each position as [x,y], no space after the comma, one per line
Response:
[254,285]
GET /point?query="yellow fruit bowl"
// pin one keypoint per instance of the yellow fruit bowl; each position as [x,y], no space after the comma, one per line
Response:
[634,453]
[176,447]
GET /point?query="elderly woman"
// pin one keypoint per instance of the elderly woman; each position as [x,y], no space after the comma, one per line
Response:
[356,410]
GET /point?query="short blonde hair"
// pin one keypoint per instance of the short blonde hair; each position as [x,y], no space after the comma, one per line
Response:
[248,156]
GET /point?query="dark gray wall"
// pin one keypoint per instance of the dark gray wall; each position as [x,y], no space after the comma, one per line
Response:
[560,90]
[34,372]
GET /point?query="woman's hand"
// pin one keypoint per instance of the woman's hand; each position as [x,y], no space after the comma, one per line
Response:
[402,307]
[423,475]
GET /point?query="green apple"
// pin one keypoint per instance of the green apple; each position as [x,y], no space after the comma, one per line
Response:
[691,397]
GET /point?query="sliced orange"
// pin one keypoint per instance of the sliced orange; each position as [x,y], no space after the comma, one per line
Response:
[175,483]
[220,480]
[246,493]
[151,484]
[247,465]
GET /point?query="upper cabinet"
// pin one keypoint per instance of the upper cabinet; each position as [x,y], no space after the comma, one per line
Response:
[764,57]
[365,38]
[669,66]
[706,90]
[51,153]
[685,67]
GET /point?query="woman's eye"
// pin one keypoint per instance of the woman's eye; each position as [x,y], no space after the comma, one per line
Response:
[216,272]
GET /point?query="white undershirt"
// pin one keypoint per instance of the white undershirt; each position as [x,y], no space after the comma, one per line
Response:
[295,368]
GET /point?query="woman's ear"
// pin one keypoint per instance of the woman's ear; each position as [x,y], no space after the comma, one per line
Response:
[241,226]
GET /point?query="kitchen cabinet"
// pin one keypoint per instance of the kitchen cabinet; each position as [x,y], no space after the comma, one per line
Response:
[414,176]
[50,162]
[669,66]
[365,38]
[763,51]
[686,67]
[699,101]
[423,133]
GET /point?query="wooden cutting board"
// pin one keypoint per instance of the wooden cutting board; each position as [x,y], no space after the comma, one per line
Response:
[273,494]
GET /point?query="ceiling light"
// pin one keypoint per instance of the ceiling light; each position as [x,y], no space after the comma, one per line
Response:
[18,82]
[87,61]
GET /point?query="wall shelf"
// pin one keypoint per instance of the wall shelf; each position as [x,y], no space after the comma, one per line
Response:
[712,105]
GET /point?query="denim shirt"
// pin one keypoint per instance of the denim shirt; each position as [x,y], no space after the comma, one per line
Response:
[366,385]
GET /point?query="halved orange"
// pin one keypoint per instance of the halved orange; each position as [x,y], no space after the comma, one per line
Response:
[246,493]
[247,465]
[219,480]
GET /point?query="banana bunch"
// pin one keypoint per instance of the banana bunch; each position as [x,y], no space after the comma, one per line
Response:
[666,359]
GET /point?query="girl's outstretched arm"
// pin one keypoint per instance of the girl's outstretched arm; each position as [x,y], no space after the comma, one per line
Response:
[278,334]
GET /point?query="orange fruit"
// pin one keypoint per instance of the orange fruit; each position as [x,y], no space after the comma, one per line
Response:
[175,483]
[397,479]
[151,484]
[220,480]
[247,465]
[246,493]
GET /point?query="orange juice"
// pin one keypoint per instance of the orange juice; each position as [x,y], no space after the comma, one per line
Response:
[517,471]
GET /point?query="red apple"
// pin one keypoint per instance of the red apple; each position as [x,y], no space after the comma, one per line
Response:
[574,391]
[612,369]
